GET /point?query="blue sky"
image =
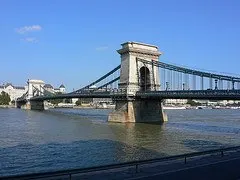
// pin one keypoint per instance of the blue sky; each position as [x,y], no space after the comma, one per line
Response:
[75,42]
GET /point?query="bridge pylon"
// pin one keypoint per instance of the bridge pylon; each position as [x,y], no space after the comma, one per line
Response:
[136,75]
[35,88]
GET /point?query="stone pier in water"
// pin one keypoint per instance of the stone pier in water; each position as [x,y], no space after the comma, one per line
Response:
[138,76]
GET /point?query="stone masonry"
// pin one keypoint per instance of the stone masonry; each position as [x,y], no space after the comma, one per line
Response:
[131,109]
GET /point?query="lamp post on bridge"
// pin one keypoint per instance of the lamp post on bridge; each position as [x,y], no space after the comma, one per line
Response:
[216,81]
[167,86]
[233,85]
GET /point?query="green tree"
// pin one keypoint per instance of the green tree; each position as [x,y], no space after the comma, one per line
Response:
[79,102]
[4,98]
[67,100]
[193,103]
[56,101]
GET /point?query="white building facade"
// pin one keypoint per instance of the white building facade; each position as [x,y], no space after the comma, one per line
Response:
[13,91]
[51,89]
[17,91]
[176,101]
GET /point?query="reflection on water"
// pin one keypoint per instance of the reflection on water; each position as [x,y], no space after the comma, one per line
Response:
[33,141]
[28,158]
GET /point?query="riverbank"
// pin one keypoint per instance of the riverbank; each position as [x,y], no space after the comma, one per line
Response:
[167,107]
[7,106]
[89,106]
[83,107]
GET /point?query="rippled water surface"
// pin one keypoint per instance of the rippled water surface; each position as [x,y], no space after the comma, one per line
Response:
[35,141]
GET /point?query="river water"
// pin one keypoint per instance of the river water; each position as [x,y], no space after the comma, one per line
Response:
[39,141]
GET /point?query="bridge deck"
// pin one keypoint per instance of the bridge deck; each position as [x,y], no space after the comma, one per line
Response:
[179,94]
[192,94]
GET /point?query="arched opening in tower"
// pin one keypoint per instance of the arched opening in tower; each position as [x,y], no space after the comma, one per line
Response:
[145,83]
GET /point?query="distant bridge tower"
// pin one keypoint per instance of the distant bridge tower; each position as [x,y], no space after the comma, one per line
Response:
[138,76]
[35,88]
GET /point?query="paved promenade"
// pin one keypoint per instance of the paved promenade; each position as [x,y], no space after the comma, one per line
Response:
[197,168]
[207,167]
[216,166]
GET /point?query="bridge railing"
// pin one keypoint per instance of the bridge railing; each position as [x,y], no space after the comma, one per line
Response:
[202,92]
[101,79]
[135,164]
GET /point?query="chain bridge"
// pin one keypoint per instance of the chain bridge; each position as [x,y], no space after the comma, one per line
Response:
[140,83]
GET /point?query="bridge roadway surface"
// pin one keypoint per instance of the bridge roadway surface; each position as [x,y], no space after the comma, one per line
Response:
[178,94]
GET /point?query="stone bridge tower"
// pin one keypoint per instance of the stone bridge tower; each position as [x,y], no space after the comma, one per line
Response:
[35,88]
[137,75]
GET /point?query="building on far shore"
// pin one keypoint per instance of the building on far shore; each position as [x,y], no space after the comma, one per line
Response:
[17,91]
[175,101]
[61,89]
[203,102]
[51,89]
[218,102]
[13,91]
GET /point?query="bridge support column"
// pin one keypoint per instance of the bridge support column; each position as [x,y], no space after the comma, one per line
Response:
[23,105]
[31,105]
[138,73]
[37,105]
[138,111]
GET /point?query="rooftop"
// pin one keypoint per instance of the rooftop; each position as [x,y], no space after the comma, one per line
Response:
[10,84]
[62,86]
[48,86]
[35,81]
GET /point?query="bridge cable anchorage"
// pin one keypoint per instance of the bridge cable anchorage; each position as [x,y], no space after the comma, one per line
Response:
[97,81]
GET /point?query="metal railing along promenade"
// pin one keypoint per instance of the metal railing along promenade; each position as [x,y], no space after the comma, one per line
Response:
[136,164]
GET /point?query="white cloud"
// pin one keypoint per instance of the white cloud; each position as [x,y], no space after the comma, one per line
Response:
[26,29]
[101,48]
[30,39]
